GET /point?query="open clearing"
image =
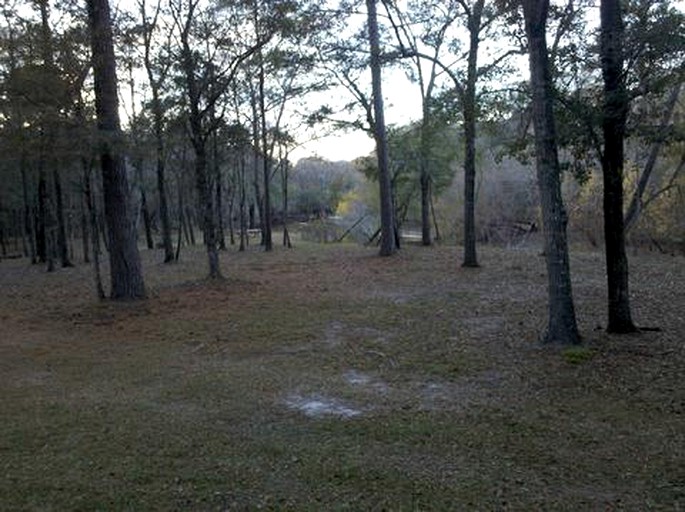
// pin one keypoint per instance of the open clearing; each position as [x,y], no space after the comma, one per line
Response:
[325,377]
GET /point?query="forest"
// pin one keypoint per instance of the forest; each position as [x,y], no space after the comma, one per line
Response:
[201,312]
[215,98]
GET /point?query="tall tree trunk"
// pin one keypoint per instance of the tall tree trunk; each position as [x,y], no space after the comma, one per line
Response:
[125,267]
[90,204]
[145,212]
[469,111]
[42,214]
[435,219]
[85,226]
[158,129]
[425,207]
[207,204]
[198,137]
[147,222]
[266,163]
[256,140]
[221,235]
[243,206]
[181,223]
[388,233]
[161,187]
[61,224]
[615,111]
[28,223]
[284,182]
[561,325]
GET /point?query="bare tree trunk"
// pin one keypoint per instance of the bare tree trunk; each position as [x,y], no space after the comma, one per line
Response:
[3,244]
[41,218]
[243,194]
[388,232]
[28,223]
[161,192]
[207,205]
[266,162]
[221,236]
[284,179]
[561,326]
[90,205]
[125,267]
[469,111]
[425,206]
[256,140]
[199,141]
[138,164]
[231,209]
[615,111]
[147,222]
[435,219]
[85,215]
[61,225]
[189,226]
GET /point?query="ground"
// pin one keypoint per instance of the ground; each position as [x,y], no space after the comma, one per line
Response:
[328,378]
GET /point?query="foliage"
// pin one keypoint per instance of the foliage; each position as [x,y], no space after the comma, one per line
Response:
[318,186]
[406,159]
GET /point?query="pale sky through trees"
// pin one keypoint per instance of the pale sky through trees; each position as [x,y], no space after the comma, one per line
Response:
[401,96]
[402,100]
[403,105]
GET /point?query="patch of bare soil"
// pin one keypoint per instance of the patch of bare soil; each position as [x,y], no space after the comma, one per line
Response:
[327,377]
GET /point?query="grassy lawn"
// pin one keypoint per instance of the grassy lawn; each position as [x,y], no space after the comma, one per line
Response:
[327,378]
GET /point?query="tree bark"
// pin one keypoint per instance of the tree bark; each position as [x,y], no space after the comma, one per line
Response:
[42,214]
[125,267]
[147,222]
[61,224]
[28,224]
[161,184]
[469,111]
[219,196]
[266,163]
[615,112]
[207,206]
[85,215]
[388,235]
[88,197]
[561,325]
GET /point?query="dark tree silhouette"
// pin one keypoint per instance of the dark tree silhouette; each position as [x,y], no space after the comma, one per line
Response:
[615,112]
[561,326]
[388,235]
[125,268]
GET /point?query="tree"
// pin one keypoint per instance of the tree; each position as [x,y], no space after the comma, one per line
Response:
[207,76]
[125,267]
[388,234]
[474,15]
[614,115]
[479,20]
[561,324]
[610,93]
[157,69]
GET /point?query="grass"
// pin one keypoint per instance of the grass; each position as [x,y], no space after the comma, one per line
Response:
[189,401]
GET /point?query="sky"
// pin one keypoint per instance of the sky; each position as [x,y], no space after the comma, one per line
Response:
[402,105]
